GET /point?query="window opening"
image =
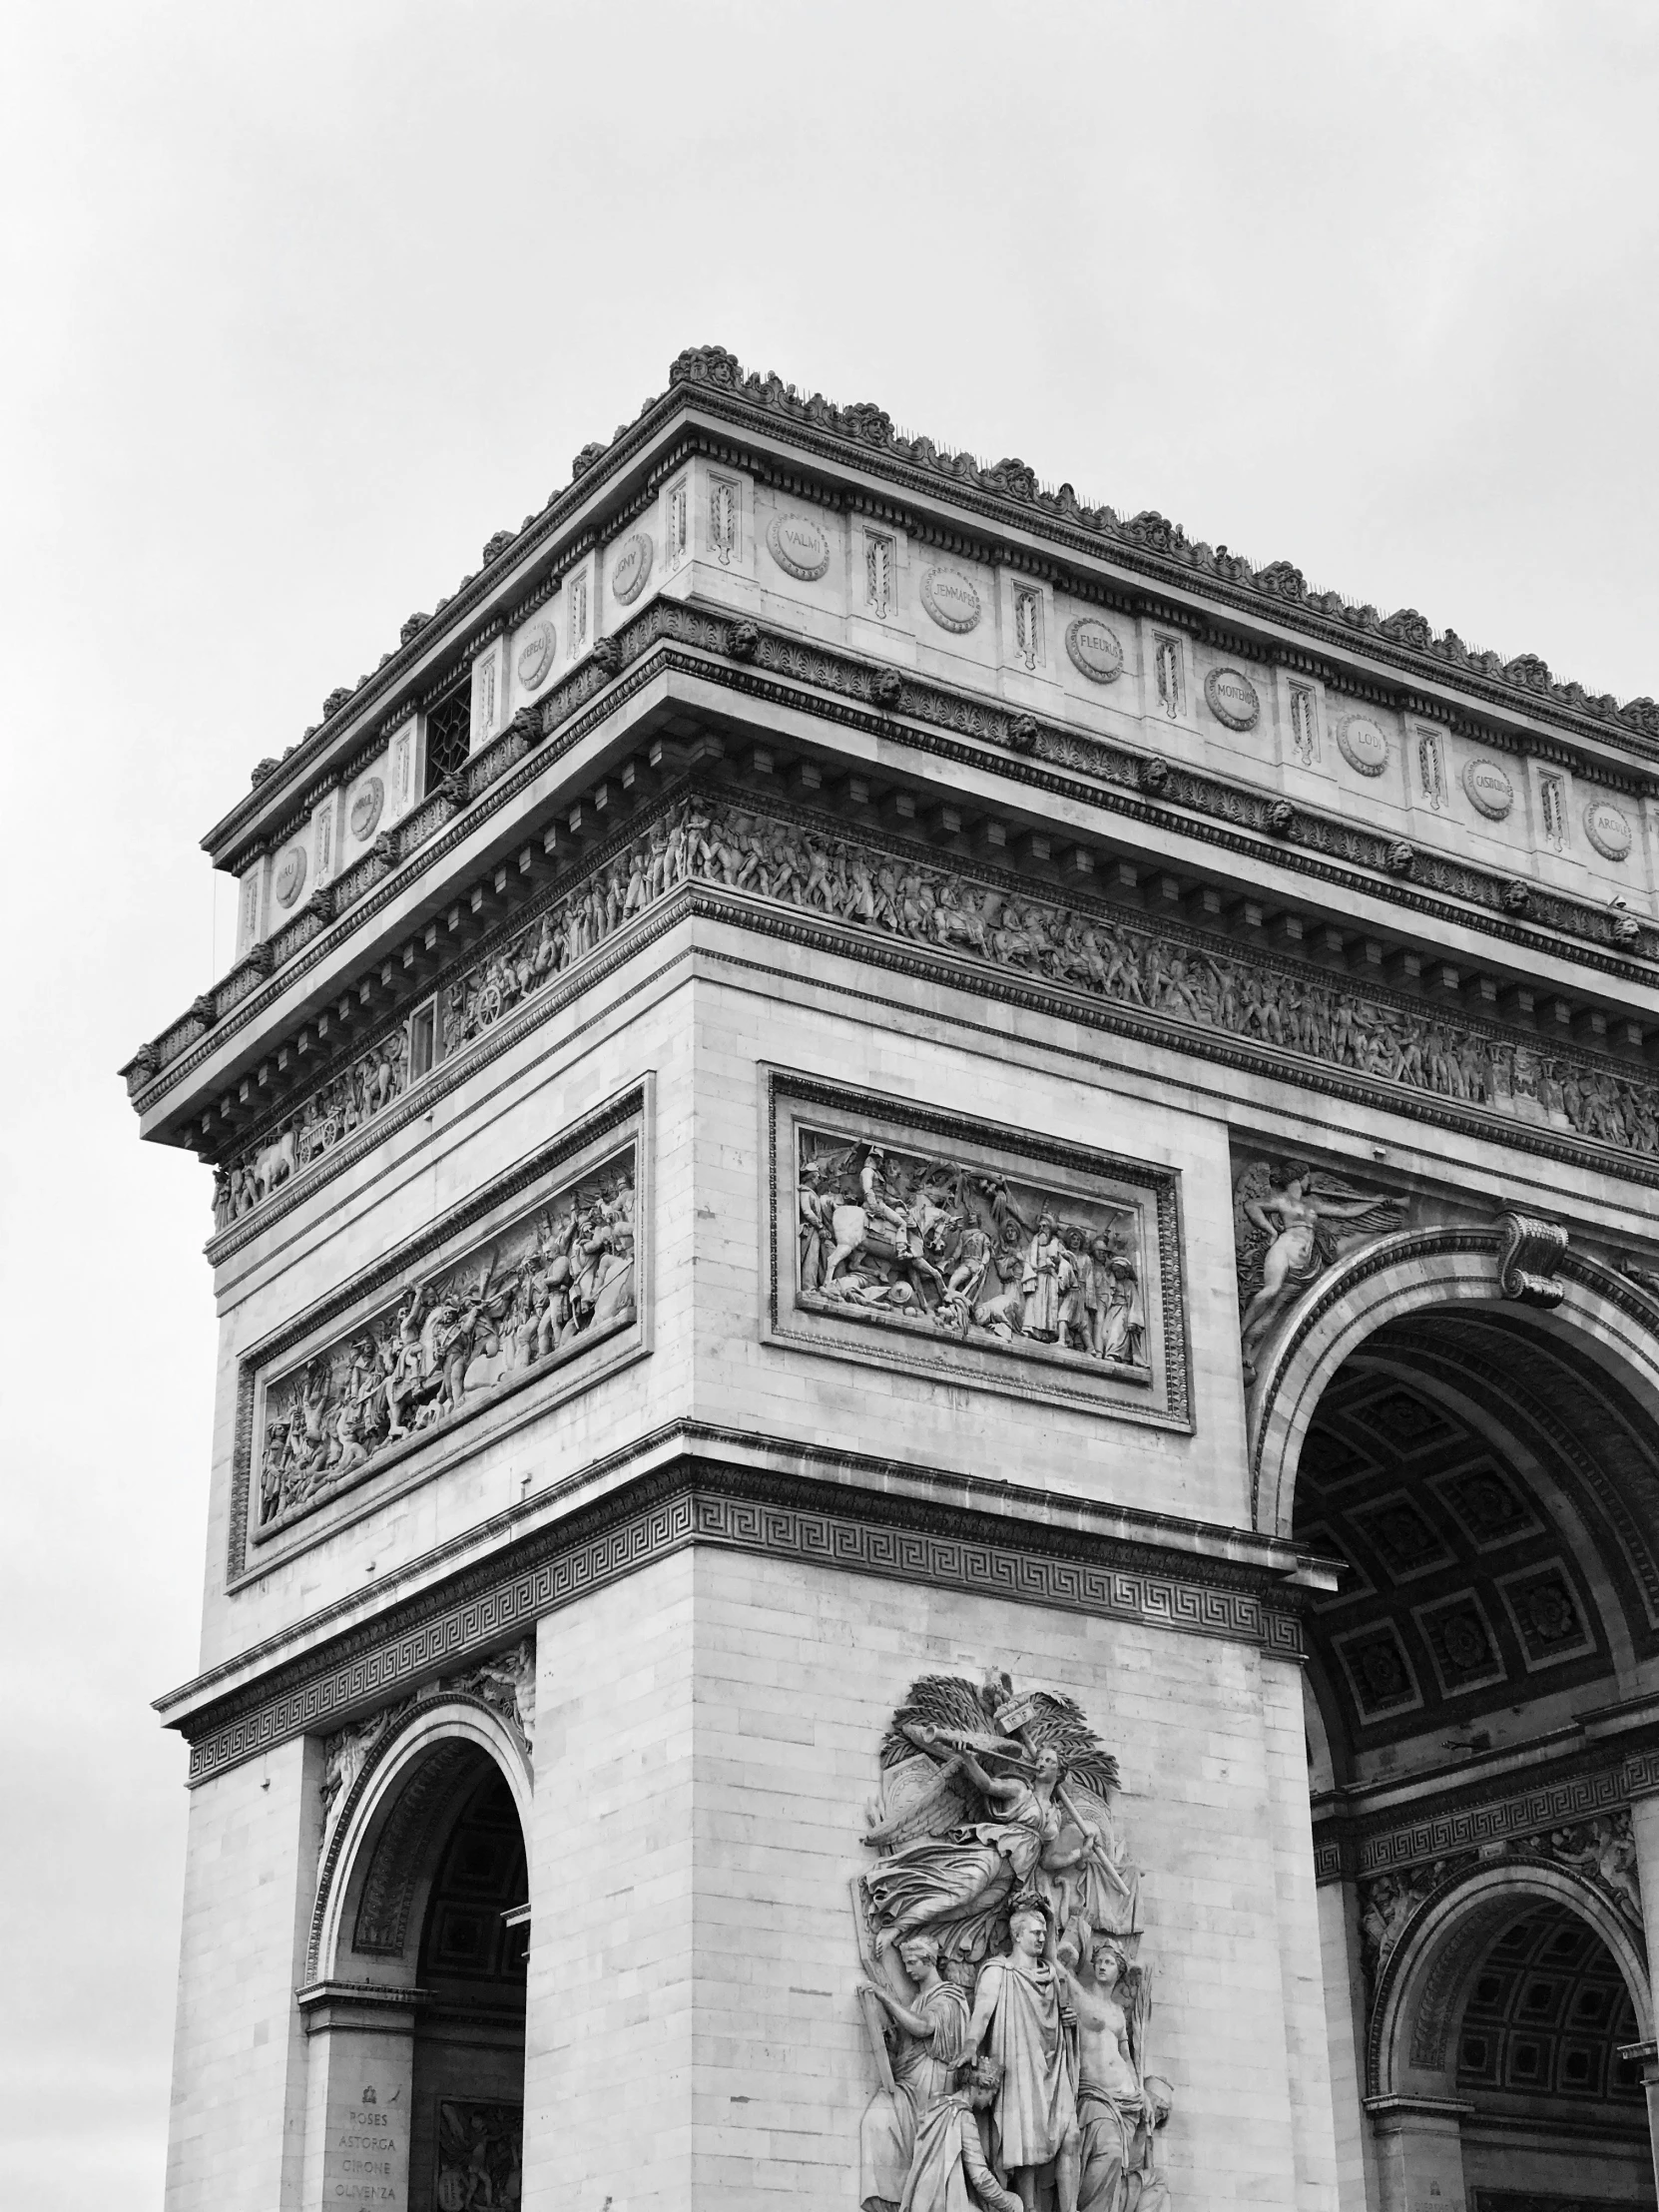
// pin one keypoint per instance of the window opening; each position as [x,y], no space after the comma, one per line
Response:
[448,733]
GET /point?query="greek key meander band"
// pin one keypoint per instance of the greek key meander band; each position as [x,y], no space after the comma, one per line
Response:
[797,1533]
[1439,1834]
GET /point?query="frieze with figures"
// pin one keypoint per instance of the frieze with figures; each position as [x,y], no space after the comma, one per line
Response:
[1183,979]
[930,1241]
[451,1341]
[999,1930]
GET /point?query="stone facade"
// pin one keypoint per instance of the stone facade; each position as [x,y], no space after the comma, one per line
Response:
[843,1075]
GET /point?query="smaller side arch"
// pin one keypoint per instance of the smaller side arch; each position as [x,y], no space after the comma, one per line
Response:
[1402,1273]
[368,1880]
[1425,1978]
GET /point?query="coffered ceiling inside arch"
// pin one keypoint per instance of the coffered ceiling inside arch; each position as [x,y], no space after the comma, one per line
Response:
[1435,1468]
[481,1875]
[1546,2015]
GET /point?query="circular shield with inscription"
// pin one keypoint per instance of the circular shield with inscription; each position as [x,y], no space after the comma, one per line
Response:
[798,546]
[1094,650]
[631,568]
[950,598]
[1607,829]
[290,876]
[1363,744]
[370,798]
[1490,789]
[1232,698]
[535,655]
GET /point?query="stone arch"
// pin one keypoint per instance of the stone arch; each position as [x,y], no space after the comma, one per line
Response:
[377,1850]
[1424,1980]
[1603,1315]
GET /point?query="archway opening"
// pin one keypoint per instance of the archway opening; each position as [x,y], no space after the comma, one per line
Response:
[1488,1497]
[1489,1485]
[1553,2110]
[467,2120]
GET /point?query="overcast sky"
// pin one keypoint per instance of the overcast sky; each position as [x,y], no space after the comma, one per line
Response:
[302,302]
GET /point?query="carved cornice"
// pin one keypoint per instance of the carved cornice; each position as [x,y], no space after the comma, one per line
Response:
[1007,494]
[697,1500]
[1009,491]
[1232,817]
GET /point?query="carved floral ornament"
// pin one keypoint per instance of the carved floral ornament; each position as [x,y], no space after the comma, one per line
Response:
[998,1927]
[450,1341]
[812,869]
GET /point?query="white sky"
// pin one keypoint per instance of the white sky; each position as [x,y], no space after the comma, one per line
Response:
[302,302]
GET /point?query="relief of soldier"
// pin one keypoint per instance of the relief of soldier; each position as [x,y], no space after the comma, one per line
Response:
[884,1232]
[451,1339]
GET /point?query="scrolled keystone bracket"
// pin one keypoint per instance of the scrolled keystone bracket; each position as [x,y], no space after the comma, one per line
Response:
[1532,1251]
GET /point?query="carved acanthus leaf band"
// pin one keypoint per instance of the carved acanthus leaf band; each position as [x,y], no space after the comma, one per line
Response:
[774,866]
[938,1547]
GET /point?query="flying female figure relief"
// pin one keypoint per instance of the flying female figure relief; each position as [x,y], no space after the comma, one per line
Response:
[1287,1218]
[992,1816]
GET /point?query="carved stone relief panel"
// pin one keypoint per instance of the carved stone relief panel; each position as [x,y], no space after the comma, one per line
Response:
[481,2155]
[1291,1222]
[1202,985]
[445,1332]
[998,1927]
[930,1242]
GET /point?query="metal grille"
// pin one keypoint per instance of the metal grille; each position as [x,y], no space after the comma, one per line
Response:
[448,733]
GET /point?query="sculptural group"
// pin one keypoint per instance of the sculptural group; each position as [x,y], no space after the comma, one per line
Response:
[449,1340]
[998,1929]
[886,1231]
